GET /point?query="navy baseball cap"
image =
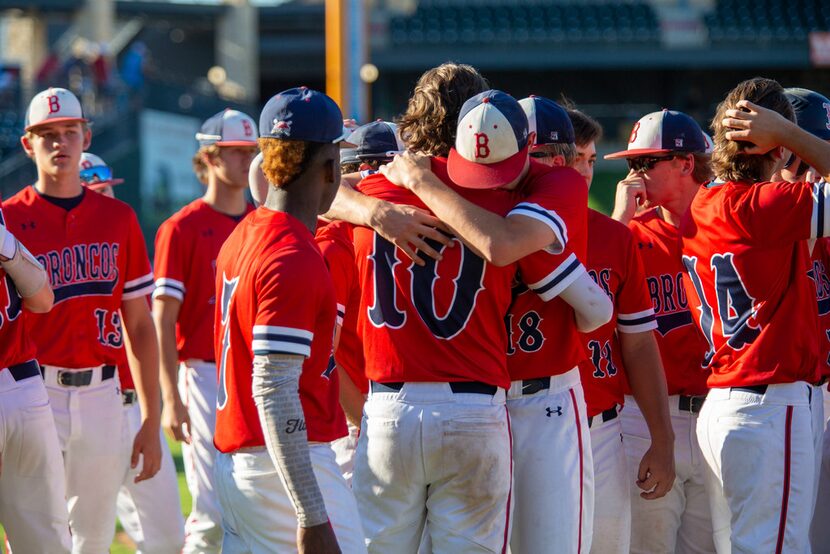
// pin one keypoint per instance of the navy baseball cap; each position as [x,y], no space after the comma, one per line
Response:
[374,141]
[663,132]
[228,128]
[812,111]
[302,114]
[548,120]
[491,146]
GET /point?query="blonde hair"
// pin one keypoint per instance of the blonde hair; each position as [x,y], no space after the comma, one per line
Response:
[429,123]
[284,160]
[200,168]
[730,162]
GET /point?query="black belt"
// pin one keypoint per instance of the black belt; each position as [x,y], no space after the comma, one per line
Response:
[470,387]
[756,389]
[532,386]
[691,404]
[606,415]
[24,370]
[83,378]
[129,397]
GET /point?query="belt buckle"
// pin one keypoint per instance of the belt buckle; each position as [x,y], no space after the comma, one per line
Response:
[74,378]
[532,386]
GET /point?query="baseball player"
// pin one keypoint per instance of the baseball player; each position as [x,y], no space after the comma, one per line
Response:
[623,347]
[492,124]
[94,254]
[812,111]
[667,165]
[32,483]
[745,251]
[275,315]
[183,304]
[150,512]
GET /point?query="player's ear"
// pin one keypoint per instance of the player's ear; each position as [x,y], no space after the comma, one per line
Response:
[559,160]
[688,165]
[87,138]
[27,146]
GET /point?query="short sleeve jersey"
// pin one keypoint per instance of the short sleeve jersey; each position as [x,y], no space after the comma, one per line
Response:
[18,346]
[543,338]
[442,321]
[95,257]
[185,269]
[819,272]
[614,264]
[745,251]
[337,246]
[682,346]
[274,296]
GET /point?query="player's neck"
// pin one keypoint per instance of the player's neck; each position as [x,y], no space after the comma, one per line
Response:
[297,203]
[225,199]
[60,186]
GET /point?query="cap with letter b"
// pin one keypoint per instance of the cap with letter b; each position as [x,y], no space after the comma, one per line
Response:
[302,114]
[228,128]
[53,105]
[491,142]
[663,132]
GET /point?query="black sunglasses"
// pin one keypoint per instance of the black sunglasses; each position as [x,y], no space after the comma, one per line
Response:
[541,155]
[646,163]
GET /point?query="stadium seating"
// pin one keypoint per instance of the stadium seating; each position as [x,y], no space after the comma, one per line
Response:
[453,22]
[767,20]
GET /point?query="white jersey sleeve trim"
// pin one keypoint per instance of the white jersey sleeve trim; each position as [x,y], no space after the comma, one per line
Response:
[559,279]
[637,322]
[341,313]
[820,222]
[549,218]
[165,286]
[270,339]
[137,288]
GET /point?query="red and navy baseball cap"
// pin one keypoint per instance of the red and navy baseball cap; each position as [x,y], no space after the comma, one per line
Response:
[228,128]
[378,140]
[53,105]
[95,173]
[812,111]
[491,146]
[663,132]
[548,120]
[302,114]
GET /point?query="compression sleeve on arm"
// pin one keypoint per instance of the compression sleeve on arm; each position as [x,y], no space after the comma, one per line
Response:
[26,272]
[275,389]
[591,305]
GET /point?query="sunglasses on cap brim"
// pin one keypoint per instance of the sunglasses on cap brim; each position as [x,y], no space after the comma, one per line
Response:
[96,174]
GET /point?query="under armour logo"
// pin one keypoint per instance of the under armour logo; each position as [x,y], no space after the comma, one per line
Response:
[557,411]
[30,225]
[642,245]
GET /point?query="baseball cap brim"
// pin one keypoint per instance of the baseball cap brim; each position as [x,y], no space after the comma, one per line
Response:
[236,143]
[636,152]
[55,120]
[472,175]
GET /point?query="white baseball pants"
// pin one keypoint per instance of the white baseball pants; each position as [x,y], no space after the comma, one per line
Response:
[150,511]
[681,521]
[198,383]
[612,502]
[89,421]
[429,456]
[32,481]
[820,528]
[344,451]
[258,515]
[553,468]
[759,452]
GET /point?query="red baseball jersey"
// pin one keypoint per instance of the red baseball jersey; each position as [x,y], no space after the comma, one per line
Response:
[682,346]
[96,258]
[442,321]
[542,333]
[185,269]
[337,246]
[18,346]
[614,264]
[275,296]
[745,251]
[820,274]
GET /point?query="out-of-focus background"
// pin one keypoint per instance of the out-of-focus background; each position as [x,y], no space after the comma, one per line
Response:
[148,72]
